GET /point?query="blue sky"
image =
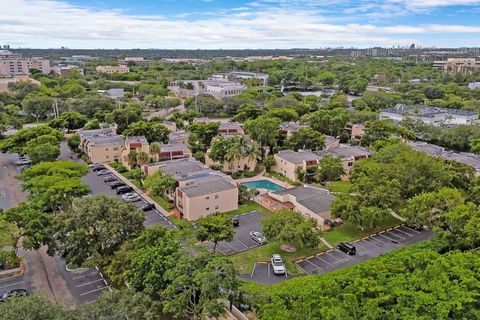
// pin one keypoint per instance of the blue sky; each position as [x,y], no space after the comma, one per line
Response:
[237,24]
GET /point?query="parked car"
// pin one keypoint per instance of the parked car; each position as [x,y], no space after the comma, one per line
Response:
[147,207]
[103,172]
[257,237]
[133,199]
[110,179]
[414,226]
[23,162]
[277,264]
[124,189]
[235,222]
[13,293]
[98,168]
[93,165]
[117,185]
[348,248]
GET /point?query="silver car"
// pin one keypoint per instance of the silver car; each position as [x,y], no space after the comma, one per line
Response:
[277,264]
[257,237]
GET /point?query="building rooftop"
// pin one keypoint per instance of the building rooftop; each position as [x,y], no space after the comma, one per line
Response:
[136,139]
[172,147]
[181,167]
[106,141]
[314,199]
[297,157]
[426,111]
[347,152]
[178,135]
[96,132]
[290,126]
[197,188]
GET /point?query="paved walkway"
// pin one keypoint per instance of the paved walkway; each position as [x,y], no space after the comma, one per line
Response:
[326,243]
[137,190]
[394,214]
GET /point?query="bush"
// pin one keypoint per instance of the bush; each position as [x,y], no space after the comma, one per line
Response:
[118,166]
[9,259]
[243,174]
[74,142]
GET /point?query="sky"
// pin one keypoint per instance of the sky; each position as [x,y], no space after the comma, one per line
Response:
[238,24]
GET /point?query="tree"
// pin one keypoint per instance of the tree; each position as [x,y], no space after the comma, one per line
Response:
[305,138]
[34,307]
[215,228]
[329,169]
[43,152]
[39,107]
[74,142]
[328,121]
[160,184]
[197,285]
[202,135]
[290,227]
[153,132]
[247,111]
[17,142]
[264,130]
[94,228]
[327,78]
[284,114]
[475,145]
[132,158]
[70,120]
[143,158]
[124,117]
[357,86]
[155,150]
[245,194]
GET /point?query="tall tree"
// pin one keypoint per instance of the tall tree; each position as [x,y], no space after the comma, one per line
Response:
[329,169]
[306,138]
[215,228]
[264,130]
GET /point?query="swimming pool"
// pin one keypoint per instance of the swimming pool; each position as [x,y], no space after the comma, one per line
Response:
[262,184]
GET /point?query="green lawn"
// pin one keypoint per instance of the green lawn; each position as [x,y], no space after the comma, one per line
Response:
[348,232]
[244,261]
[339,186]
[247,207]
[162,202]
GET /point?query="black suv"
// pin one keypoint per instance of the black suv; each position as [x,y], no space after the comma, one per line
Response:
[348,248]
[235,222]
[98,168]
[124,189]
[110,179]
[117,185]
[147,207]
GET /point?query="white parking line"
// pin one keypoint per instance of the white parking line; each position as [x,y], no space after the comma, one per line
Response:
[368,248]
[85,275]
[298,266]
[405,233]
[253,271]
[86,284]
[92,291]
[313,264]
[242,243]
[389,239]
[393,232]
[319,258]
[373,238]
[372,244]
[409,229]
[11,284]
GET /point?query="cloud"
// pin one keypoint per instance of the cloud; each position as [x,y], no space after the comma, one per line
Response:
[47,23]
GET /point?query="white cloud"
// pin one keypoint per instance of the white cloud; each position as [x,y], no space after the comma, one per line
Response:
[46,23]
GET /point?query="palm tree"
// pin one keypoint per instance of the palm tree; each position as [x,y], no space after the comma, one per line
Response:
[132,158]
[142,158]
[155,150]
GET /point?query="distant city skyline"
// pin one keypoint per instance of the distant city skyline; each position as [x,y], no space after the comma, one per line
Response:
[237,24]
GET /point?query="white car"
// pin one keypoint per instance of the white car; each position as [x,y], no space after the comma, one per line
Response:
[131,197]
[257,237]
[277,264]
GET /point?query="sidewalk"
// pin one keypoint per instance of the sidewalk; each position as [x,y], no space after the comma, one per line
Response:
[394,214]
[137,190]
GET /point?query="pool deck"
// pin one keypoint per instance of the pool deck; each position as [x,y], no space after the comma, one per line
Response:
[260,177]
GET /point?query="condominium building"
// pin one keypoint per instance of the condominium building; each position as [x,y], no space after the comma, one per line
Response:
[101,145]
[429,115]
[458,65]
[12,64]
[135,143]
[40,64]
[113,69]
[179,137]
[347,154]
[355,131]
[231,128]
[289,162]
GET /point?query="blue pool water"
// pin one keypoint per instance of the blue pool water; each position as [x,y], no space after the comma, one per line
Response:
[262,184]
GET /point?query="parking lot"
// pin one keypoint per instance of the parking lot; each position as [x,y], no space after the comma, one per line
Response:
[367,248]
[98,186]
[86,285]
[249,221]
[262,273]
[20,282]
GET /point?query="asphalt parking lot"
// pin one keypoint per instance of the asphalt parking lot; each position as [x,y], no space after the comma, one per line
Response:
[367,248]
[98,186]
[263,273]
[86,285]
[249,221]
[19,282]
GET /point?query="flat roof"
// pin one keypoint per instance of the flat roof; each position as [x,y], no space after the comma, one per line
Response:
[205,187]
[314,199]
[345,151]
[297,157]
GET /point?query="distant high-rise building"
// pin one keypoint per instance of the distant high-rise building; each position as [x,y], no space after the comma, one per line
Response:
[412,46]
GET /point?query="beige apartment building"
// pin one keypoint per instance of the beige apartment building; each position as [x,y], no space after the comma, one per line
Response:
[135,143]
[458,65]
[14,79]
[113,69]
[12,64]
[238,164]
[101,145]
[355,131]
[40,64]
[348,155]
[201,198]
[288,162]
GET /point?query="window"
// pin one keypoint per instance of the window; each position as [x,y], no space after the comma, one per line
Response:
[106,149]
[207,208]
[115,148]
[216,207]
[216,196]
[350,164]
[206,198]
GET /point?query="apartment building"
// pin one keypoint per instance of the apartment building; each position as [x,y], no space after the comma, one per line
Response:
[231,128]
[331,142]
[12,64]
[288,162]
[347,154]
[134,143]
[176,137]
[311,201]
[113,69]
[355,131]
[39,63]
[64,70]
[101,145]
[141,61]
[201,198]
[170,125]
[429,115]
[288,128]
[458,65]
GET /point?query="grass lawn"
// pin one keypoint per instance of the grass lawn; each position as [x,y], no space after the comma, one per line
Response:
[244,261]
[348,232]
[247,207]
[339,186]
[162,202]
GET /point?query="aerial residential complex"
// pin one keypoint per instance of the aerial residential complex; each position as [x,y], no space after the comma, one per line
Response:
[429,115]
